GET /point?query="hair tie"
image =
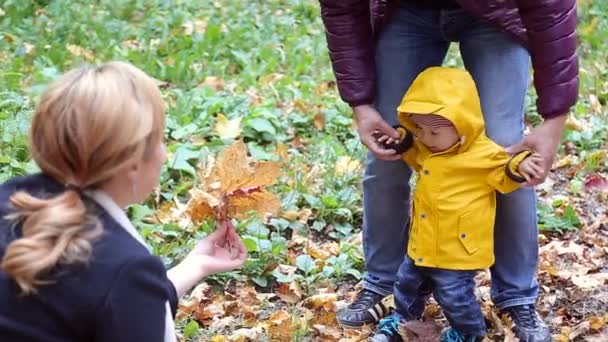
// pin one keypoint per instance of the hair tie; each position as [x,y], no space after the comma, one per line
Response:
[73,187]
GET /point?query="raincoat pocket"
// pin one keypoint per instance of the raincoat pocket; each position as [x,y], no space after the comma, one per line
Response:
[468,232]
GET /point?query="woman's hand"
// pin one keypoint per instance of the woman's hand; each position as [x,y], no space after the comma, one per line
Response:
[221,251]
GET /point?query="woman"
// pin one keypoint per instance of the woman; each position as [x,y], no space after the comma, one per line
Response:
[73,268]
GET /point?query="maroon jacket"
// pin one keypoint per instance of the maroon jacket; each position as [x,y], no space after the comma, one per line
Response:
[546,27]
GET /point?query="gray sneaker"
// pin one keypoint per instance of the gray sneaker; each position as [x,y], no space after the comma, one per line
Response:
[528,325]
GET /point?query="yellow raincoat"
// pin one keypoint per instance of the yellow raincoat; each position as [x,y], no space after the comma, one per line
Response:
[452,222]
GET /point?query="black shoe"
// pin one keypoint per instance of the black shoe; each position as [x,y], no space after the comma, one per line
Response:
[366,309]
[528,325]
[388,329]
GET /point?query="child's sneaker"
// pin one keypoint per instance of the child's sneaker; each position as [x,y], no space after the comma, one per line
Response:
[451,335]
[388,329]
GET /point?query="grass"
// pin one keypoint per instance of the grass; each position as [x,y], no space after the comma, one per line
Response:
[265,62]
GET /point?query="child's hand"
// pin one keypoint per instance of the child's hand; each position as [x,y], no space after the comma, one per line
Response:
[385,141]
[399,145]
[531,167]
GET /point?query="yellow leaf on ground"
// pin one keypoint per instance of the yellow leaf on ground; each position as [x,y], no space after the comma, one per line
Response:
[80,52]
[227,129]
[346,165]
[597,323]
[219,338]
[321,301]
[281,327]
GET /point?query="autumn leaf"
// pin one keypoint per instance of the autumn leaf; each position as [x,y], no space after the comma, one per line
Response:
[227,129]
[289,292]
[420,331]
[197,26]
[79,51]
[596,182]
[346,165]
[232,186]
[281,326]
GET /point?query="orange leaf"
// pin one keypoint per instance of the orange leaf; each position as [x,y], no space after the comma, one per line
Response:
[281,326]
[262,202]
[290,292]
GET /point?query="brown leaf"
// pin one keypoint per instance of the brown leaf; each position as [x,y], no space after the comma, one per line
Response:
[597,323]
[596,182]
[328,333]
[321,301]
[213,82]
[420,331]
[281,326]
[202,205]
[319,121]
[290,292]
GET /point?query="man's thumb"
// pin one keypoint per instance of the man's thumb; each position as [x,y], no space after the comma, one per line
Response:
[516,148]
[388,130]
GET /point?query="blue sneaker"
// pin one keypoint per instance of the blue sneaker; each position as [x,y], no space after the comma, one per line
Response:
[451,335]
[388,329]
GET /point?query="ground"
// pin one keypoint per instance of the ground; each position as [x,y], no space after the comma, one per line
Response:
[259,71]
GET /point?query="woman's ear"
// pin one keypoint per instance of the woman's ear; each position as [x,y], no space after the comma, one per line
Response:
[133,173]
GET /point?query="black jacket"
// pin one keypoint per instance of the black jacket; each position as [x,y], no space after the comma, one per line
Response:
[120,295]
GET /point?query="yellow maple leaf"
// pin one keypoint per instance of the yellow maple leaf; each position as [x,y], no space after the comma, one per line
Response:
[227,129]
[232,186]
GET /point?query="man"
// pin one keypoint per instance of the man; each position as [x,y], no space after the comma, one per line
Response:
[377,48]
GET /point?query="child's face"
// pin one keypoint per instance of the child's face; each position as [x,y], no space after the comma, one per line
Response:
[437,139]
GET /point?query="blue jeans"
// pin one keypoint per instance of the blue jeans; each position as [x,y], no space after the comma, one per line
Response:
[453,290]
[413,40]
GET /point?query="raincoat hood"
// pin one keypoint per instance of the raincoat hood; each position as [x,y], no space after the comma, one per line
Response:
[450,93]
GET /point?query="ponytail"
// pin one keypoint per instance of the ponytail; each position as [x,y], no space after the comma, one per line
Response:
[54,231]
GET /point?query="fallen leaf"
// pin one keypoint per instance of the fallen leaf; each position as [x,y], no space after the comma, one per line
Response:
[563,247]
[80,52]
[281,327]
[590,281]
[321,301]
[289,292]
[227,129]
[319,121]
[597,323]
[420,331]
[253,334]
[596,181]
[197,26]
[346,165]
[213,82]
[328,333]
[221,323]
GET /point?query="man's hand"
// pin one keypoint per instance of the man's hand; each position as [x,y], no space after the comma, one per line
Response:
[369,125]
[543,140]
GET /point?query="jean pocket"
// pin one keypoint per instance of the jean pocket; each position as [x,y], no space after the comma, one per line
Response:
[467,232]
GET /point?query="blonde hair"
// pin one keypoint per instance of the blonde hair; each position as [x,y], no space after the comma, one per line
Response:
[88,125]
